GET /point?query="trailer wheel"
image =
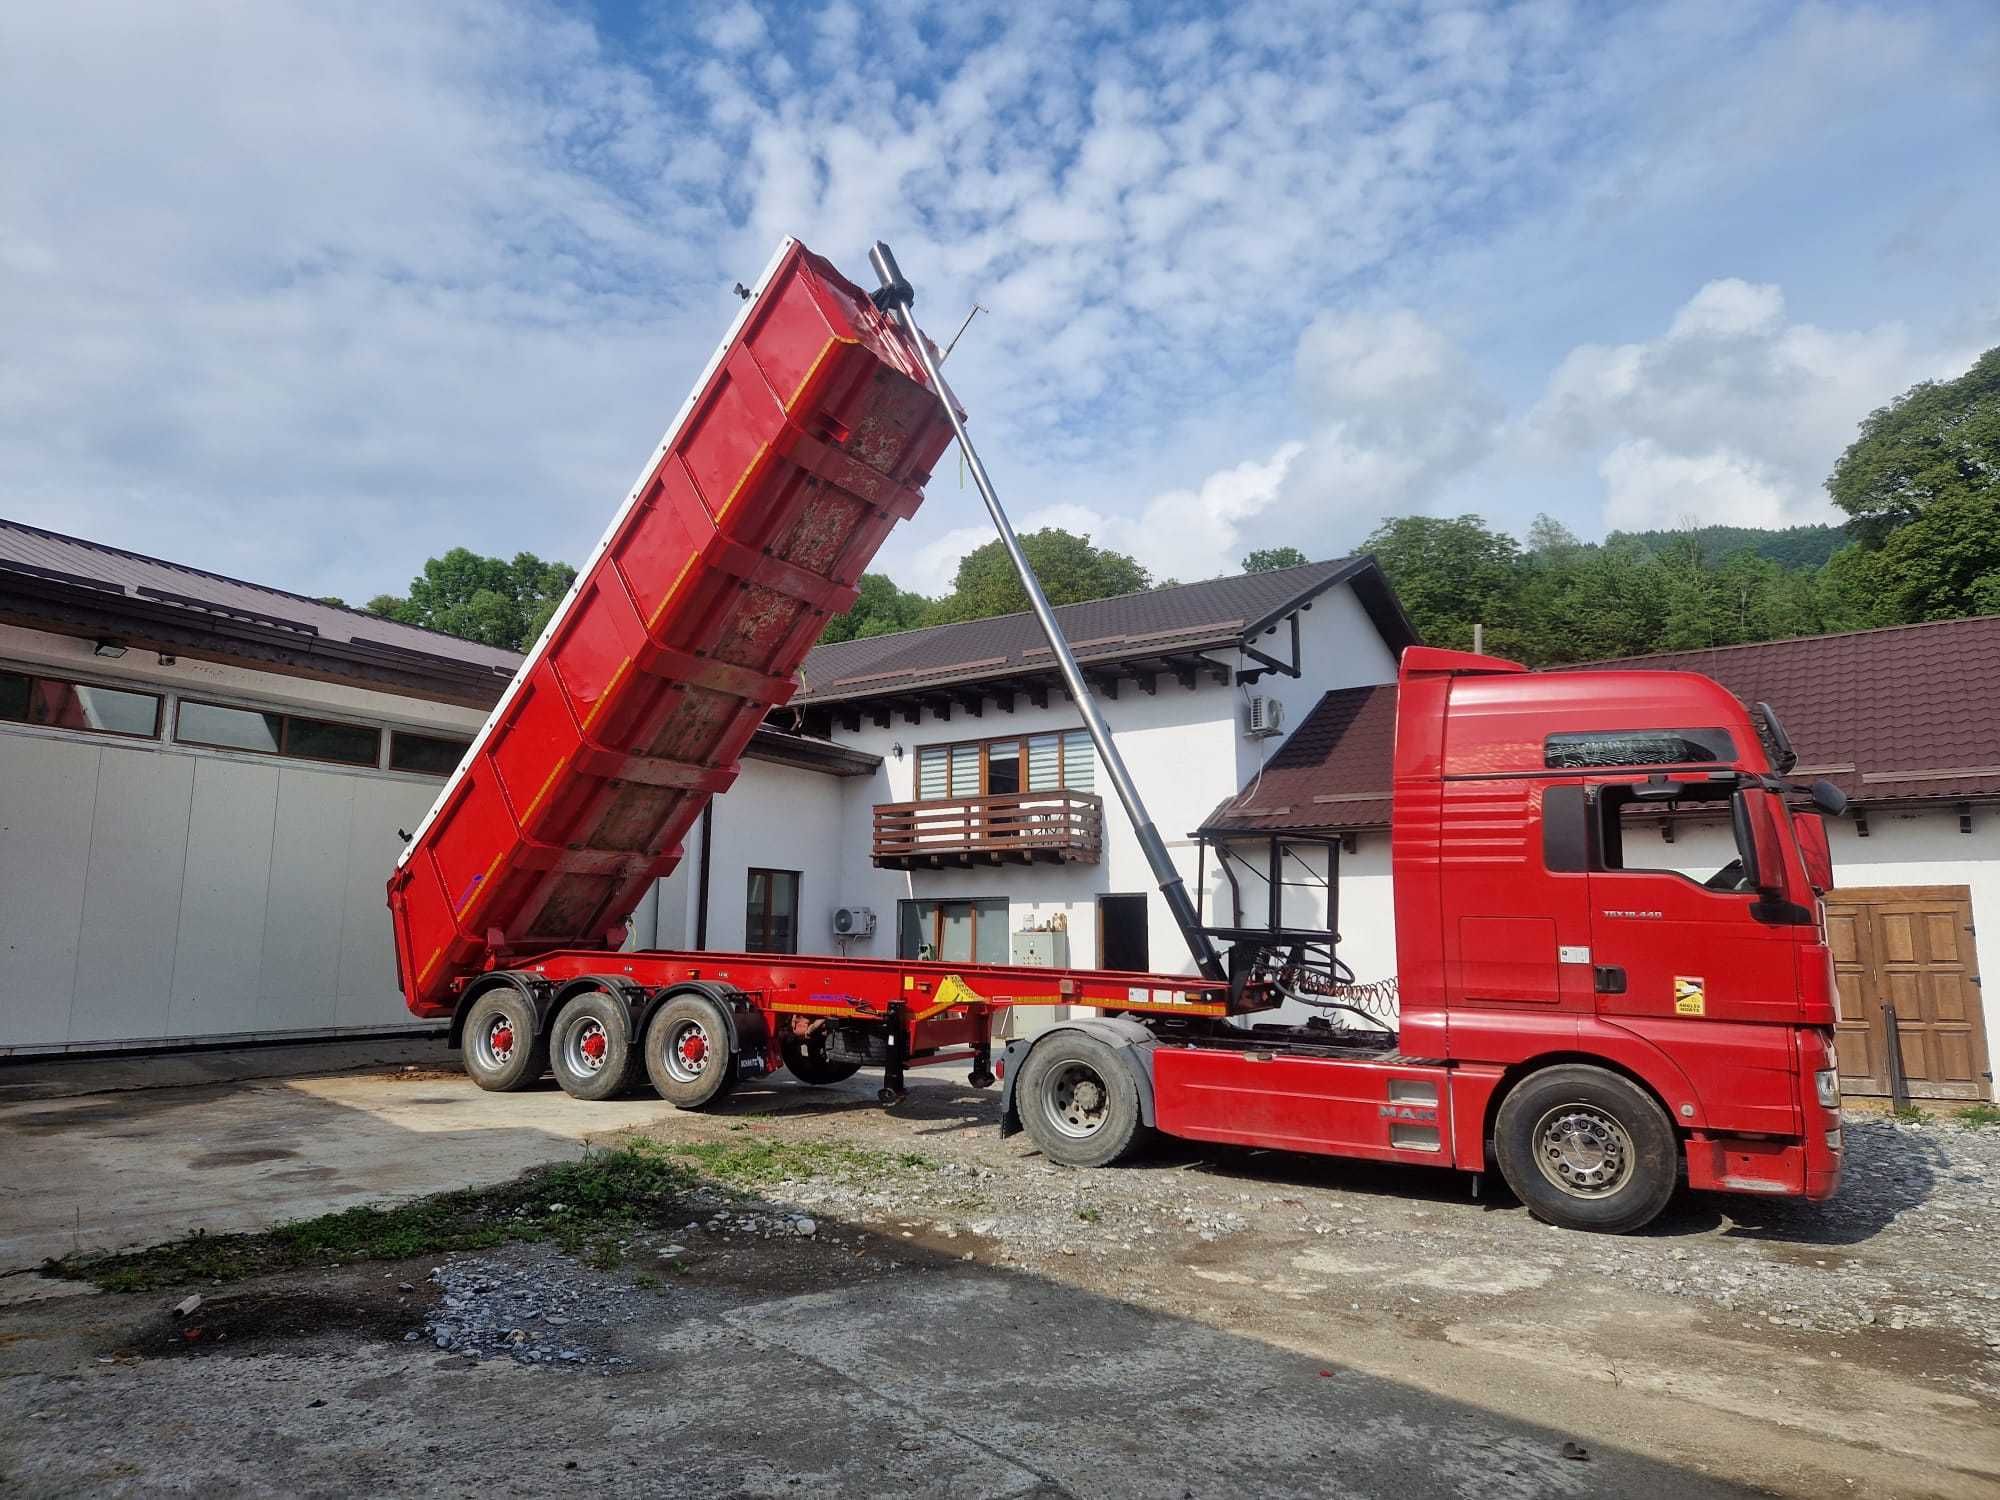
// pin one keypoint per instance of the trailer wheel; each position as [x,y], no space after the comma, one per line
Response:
[808,1064]
[1586,1148]
[501,1046]
[1080,1102]
[687,1052]
[588,1048]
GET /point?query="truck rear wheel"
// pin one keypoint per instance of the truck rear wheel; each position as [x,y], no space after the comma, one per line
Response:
[1586,1148]
[588,1048]
[808,1064]
[1079,1101]
[687,1052]
[501,1045]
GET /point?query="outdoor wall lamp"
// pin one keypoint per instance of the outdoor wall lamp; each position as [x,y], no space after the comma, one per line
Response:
[110,648]
[897,749]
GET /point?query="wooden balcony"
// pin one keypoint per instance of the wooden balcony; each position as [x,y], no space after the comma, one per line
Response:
[1054,827]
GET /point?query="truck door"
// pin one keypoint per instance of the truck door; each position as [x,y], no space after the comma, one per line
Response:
[1677,956]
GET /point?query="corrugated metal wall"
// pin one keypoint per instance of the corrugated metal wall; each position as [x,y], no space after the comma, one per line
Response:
[158,894]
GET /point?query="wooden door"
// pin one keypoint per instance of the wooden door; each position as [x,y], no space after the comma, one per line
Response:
[1910,947]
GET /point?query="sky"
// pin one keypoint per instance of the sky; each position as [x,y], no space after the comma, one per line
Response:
[309,293]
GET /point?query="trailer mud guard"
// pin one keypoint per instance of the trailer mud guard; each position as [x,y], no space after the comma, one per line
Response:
[1132,1042]
[535,993]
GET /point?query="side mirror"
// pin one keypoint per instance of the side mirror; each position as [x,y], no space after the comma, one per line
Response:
[1757,841]
[1814,850]
[1829,799]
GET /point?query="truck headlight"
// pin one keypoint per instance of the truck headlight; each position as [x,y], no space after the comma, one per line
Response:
[1826,1083]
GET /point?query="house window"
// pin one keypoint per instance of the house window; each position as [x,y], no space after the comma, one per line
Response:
[425,754]
[957,932]
[226,728]
[996,768]
[771,915]
[61,704]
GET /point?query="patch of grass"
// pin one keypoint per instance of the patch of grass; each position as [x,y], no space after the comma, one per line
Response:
[1978,1114]
[1909,1114]
[1089,1215]
[759,1163]
[577,1204]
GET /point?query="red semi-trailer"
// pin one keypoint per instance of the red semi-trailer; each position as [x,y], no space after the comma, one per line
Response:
[1598,1031]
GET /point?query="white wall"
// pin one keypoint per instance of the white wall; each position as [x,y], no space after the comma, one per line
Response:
[152,892]
[775,817]
[1184,747]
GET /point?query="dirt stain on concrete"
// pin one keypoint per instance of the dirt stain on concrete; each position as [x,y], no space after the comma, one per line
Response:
[248,1156]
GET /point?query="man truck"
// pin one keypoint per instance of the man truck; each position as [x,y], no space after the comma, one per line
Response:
[1598,1031]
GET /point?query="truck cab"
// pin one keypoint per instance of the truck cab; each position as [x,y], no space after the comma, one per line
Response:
[1539,915]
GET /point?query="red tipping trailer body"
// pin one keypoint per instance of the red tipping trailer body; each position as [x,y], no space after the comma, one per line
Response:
[807,438]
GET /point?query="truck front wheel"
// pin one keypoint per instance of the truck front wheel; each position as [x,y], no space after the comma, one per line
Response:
[1079,1101]
[1586,1148]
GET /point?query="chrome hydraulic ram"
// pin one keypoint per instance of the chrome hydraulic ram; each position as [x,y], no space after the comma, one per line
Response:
[895,298]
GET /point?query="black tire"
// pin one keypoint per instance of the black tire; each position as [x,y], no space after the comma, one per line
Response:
[501,1046]
[808,1064]
[1586,1148]
[687,1052]
[590,1053]
[1079,1101]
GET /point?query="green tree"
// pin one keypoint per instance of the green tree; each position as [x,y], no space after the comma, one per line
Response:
[1451,573]
[879,609]
[1270,559]
[1938,441]
[1944,564]
[485,599]
[1070,568]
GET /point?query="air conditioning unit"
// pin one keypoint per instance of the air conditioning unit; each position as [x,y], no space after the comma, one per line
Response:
[853,921]
[1264,718]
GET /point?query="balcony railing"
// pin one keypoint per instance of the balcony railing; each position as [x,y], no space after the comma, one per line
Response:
[1059,826]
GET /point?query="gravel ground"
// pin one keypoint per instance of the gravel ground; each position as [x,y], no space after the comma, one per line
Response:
[1911,1244]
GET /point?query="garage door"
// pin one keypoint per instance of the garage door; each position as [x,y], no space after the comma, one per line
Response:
[1911,948]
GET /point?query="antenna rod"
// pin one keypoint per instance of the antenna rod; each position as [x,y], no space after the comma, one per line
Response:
[894,298]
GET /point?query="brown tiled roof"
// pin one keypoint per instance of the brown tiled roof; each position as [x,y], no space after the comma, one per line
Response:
[1332,772]
[1904,714]
[1217,613]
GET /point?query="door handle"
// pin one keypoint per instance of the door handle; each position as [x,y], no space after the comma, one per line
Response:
[1610,979]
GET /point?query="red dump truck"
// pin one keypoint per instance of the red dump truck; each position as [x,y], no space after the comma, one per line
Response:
[1599,1033]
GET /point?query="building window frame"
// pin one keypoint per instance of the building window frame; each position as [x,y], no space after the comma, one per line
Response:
[1074,766]
[34,678]
[398,736]
[933,940]
[762,913]
[285,718]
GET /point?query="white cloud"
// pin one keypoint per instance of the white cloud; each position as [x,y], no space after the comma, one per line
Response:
[737,28]
[309,293]
[1734,414]
[1647,487]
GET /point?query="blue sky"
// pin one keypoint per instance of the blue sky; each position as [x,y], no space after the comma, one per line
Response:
[309,293]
